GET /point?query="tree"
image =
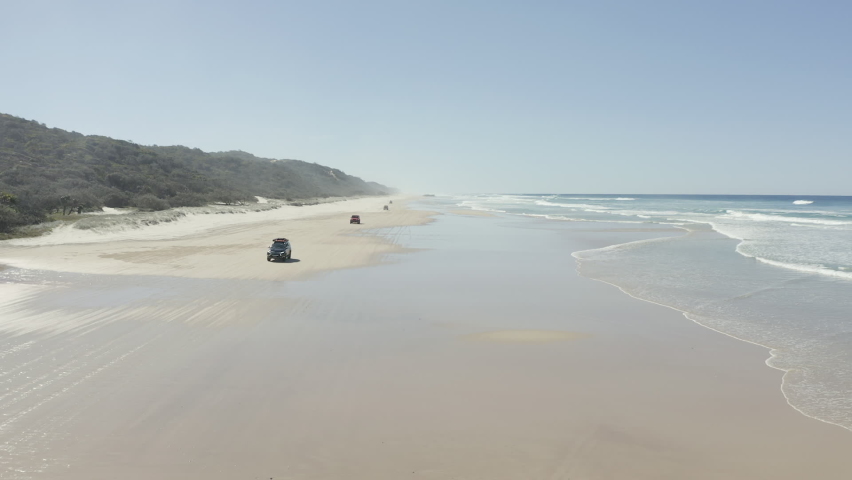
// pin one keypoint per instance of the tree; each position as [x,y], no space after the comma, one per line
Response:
[150,202]
[8,219]
[38,165]
[67,201]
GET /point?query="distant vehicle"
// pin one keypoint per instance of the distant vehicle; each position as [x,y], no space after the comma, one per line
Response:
[386,207]
[279,250]
[355,219]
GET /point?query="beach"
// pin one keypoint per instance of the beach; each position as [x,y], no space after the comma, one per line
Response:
[225,245]
[429,342]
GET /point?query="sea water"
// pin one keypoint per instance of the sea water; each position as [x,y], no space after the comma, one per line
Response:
[771,270]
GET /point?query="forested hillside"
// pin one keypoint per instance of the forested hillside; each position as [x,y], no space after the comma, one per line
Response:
[45,170]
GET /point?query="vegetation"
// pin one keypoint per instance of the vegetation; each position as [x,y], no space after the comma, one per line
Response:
[48,170]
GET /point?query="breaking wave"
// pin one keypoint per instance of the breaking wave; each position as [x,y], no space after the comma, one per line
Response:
[763,217]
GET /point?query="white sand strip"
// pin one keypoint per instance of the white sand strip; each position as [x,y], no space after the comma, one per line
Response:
[224,246]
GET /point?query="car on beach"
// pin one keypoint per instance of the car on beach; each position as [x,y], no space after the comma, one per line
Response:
[355,219]
[279,250]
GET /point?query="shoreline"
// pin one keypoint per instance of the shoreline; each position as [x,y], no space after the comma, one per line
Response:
[769,350]
[772,352]
[480,352]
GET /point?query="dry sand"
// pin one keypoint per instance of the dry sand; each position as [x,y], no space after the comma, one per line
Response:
[227,246]
[481,355]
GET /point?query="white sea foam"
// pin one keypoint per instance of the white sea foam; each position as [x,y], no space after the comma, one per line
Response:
[805,268]
[553,217]
[582,206]
[572,219]
[639,213]
[604,199]
[584,254]
[806,392]
[762,217]
[484,209]
[806,239]
[798,211]
[797,249]
[512,199]
[478,207]
[800,308]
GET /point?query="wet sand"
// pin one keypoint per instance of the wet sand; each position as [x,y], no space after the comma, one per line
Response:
[473,351]
[471,213]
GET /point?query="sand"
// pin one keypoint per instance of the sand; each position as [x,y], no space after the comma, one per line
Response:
[227,246]
[526,336]
[467,348]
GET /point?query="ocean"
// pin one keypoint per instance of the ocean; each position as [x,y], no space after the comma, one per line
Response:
[771,270]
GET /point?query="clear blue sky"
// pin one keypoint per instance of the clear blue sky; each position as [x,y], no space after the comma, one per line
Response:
[459,96]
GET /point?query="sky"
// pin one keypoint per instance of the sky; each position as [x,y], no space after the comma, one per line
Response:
[703,97]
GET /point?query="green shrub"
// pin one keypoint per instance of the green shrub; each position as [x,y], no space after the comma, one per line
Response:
[150,202]
[9,219]
[188,200]
[117,200]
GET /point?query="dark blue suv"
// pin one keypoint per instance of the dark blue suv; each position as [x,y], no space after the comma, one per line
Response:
[279,250]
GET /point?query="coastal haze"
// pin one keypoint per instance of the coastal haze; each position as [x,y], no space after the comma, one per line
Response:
[683,315]
[664,96]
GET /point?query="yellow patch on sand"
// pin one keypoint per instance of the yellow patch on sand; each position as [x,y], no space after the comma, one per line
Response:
[526,336]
